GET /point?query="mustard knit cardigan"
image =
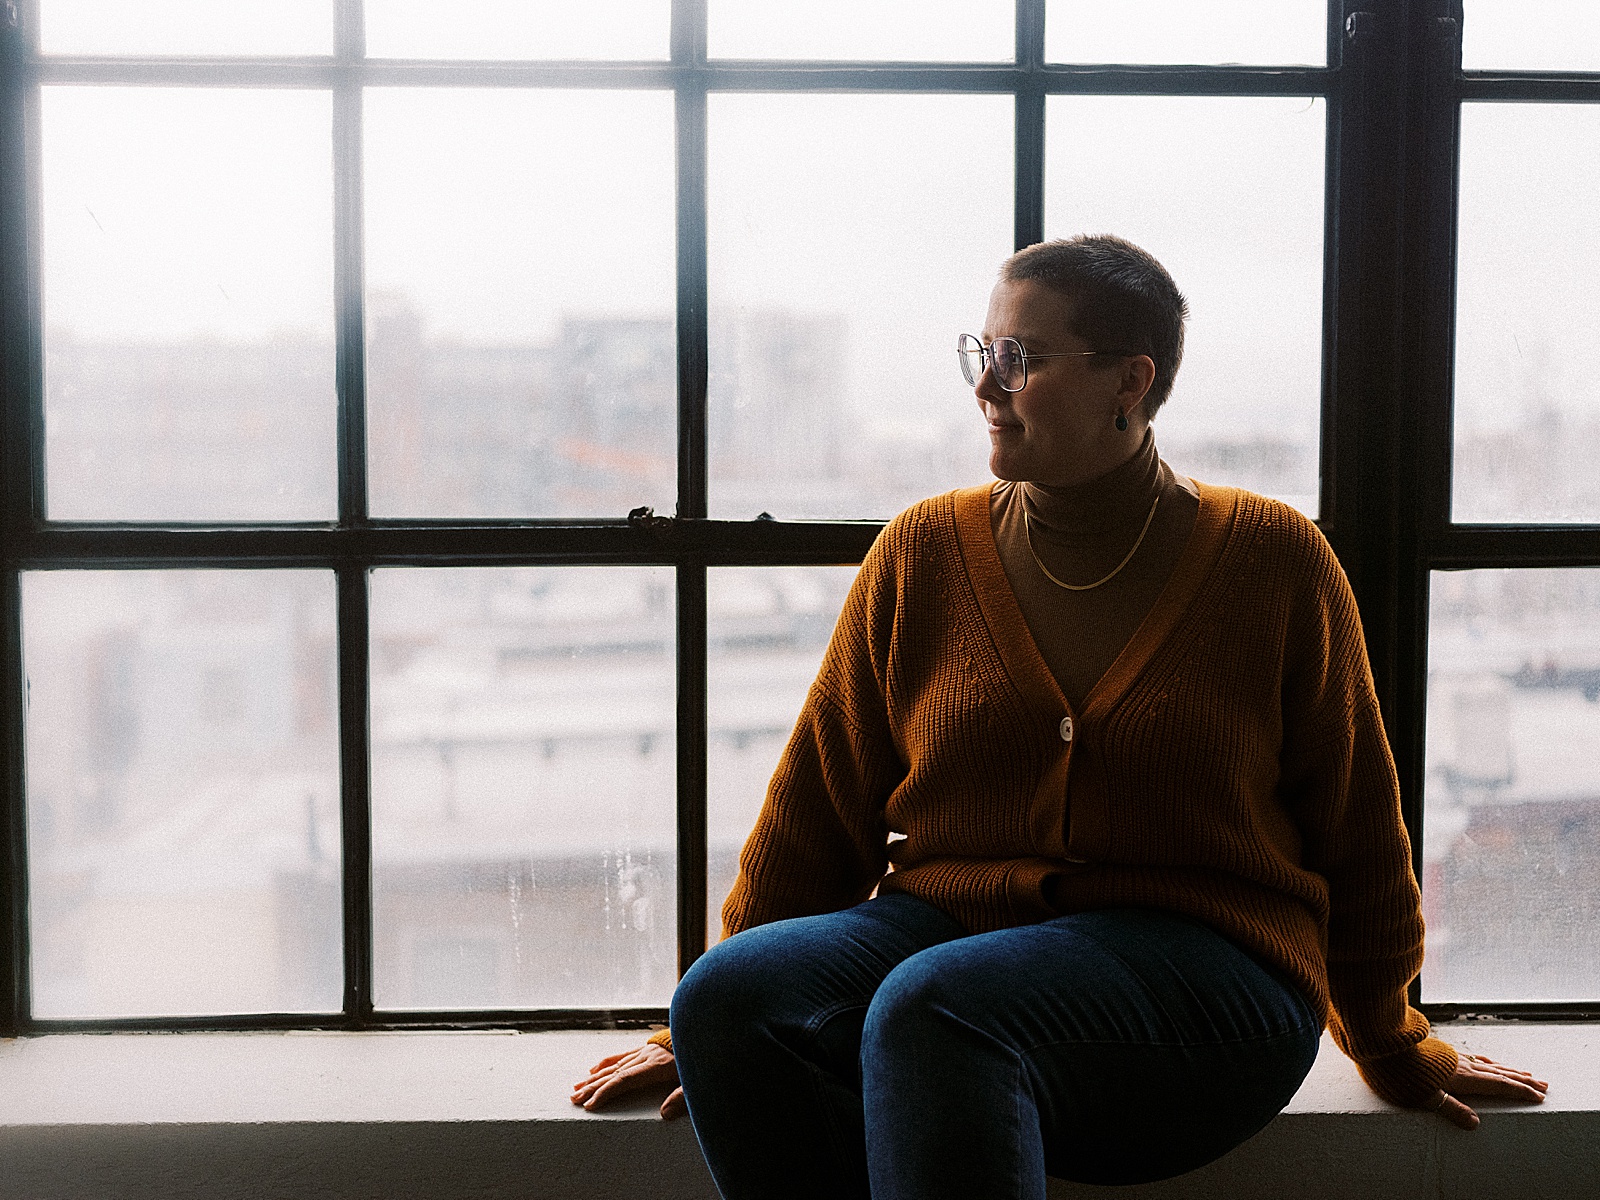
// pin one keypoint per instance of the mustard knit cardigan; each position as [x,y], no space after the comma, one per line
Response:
[1231,765]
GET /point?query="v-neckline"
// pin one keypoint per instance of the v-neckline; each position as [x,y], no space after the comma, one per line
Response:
[1014,639]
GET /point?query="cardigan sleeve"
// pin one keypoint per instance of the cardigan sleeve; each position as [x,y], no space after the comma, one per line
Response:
[1339,780]
[820,841]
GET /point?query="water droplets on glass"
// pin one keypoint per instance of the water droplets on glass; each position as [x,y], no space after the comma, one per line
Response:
[1511,817]
[523,782]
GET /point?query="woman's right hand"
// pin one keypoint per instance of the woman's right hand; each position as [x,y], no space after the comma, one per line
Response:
[619,1074]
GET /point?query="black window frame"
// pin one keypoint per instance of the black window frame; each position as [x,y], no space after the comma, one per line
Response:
[1426,539]
[1392,85]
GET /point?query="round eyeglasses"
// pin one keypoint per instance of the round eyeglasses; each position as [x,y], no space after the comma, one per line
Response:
[1007,357]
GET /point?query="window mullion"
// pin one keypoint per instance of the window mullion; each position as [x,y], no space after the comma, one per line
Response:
[22,461]
[14,972]
[348,268]
[688,56]
[355,790]
[1427,321]
[355,743]
[1028,210]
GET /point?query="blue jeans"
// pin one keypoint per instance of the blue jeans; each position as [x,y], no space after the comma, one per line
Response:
[880,1052]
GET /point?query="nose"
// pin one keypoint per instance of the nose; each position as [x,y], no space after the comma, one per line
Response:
[988,390]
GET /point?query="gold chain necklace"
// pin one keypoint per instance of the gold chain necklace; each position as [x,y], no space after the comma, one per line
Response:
[1027,529]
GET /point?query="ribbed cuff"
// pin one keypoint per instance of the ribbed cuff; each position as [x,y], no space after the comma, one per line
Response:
[1411,1078]
[663,1038]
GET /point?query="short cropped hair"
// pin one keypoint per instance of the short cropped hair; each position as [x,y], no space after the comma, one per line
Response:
[1123,300]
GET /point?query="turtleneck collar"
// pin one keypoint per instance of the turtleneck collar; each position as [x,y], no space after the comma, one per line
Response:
[1107,505]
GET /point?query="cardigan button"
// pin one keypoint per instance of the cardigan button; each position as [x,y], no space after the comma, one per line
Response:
[1066,729]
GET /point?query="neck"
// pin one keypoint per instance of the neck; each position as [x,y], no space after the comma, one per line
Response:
[1102,507]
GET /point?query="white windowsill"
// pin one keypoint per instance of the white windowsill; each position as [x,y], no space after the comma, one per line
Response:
[486,1115]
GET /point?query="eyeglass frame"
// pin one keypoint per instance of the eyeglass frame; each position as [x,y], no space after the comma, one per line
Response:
[987,358]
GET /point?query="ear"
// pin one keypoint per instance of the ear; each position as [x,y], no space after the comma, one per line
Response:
[1138,376]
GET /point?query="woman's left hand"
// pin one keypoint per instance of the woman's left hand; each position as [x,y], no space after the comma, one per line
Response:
[1479,1076]
[617,1075]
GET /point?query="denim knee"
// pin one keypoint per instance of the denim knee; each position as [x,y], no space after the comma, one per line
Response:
[722,984]
[907,1009]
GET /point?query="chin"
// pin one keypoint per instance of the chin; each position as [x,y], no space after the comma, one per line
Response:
[1006,468]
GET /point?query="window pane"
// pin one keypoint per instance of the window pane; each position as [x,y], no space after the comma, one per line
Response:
[767,628]
[903,30]
[852,239]
[183,792]
[1527,411]
[521,347]
[185,27]
[499,29]
[1260,32]
[1530,35]
[188,303]
[1228,193]
[523,780]
[1511,835]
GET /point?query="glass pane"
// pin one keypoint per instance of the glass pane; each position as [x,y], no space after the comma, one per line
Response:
[1530,35]
[183,792]
[188,304]
[1511,834]
[185,27]
[500,29]
[766,630]
[1257,32]
[1228,193]
[523,782]
[902,30]
[521,346]
[1527,409]
[847,253]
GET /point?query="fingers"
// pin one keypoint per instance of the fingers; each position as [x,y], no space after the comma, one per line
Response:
[602,1074]
[1457,1113]
[617,1076]
[674,1106]
[598,1075]
[1477,1075]
[1481,1076]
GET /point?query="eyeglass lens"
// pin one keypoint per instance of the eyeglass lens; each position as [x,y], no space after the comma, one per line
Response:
[1010,367]
[971,352]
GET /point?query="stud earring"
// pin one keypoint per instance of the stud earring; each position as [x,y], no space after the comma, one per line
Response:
[1122,422]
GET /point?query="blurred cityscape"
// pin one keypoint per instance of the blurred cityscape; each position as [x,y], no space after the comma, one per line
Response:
[183,780]
[582,426]
[1511,883]
[183,757]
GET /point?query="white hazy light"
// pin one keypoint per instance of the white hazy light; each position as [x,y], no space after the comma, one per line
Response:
[499,29]
[1259,32]
[498,211]
[1531,35]
[861,30]
[185,27]
[176,212]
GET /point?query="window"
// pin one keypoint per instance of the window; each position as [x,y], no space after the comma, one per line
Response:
[355,360]
[1506,515]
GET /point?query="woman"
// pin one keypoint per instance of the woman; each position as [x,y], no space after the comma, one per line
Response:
[1088,826]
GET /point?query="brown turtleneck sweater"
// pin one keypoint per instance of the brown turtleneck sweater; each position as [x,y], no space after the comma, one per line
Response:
[1081,533]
